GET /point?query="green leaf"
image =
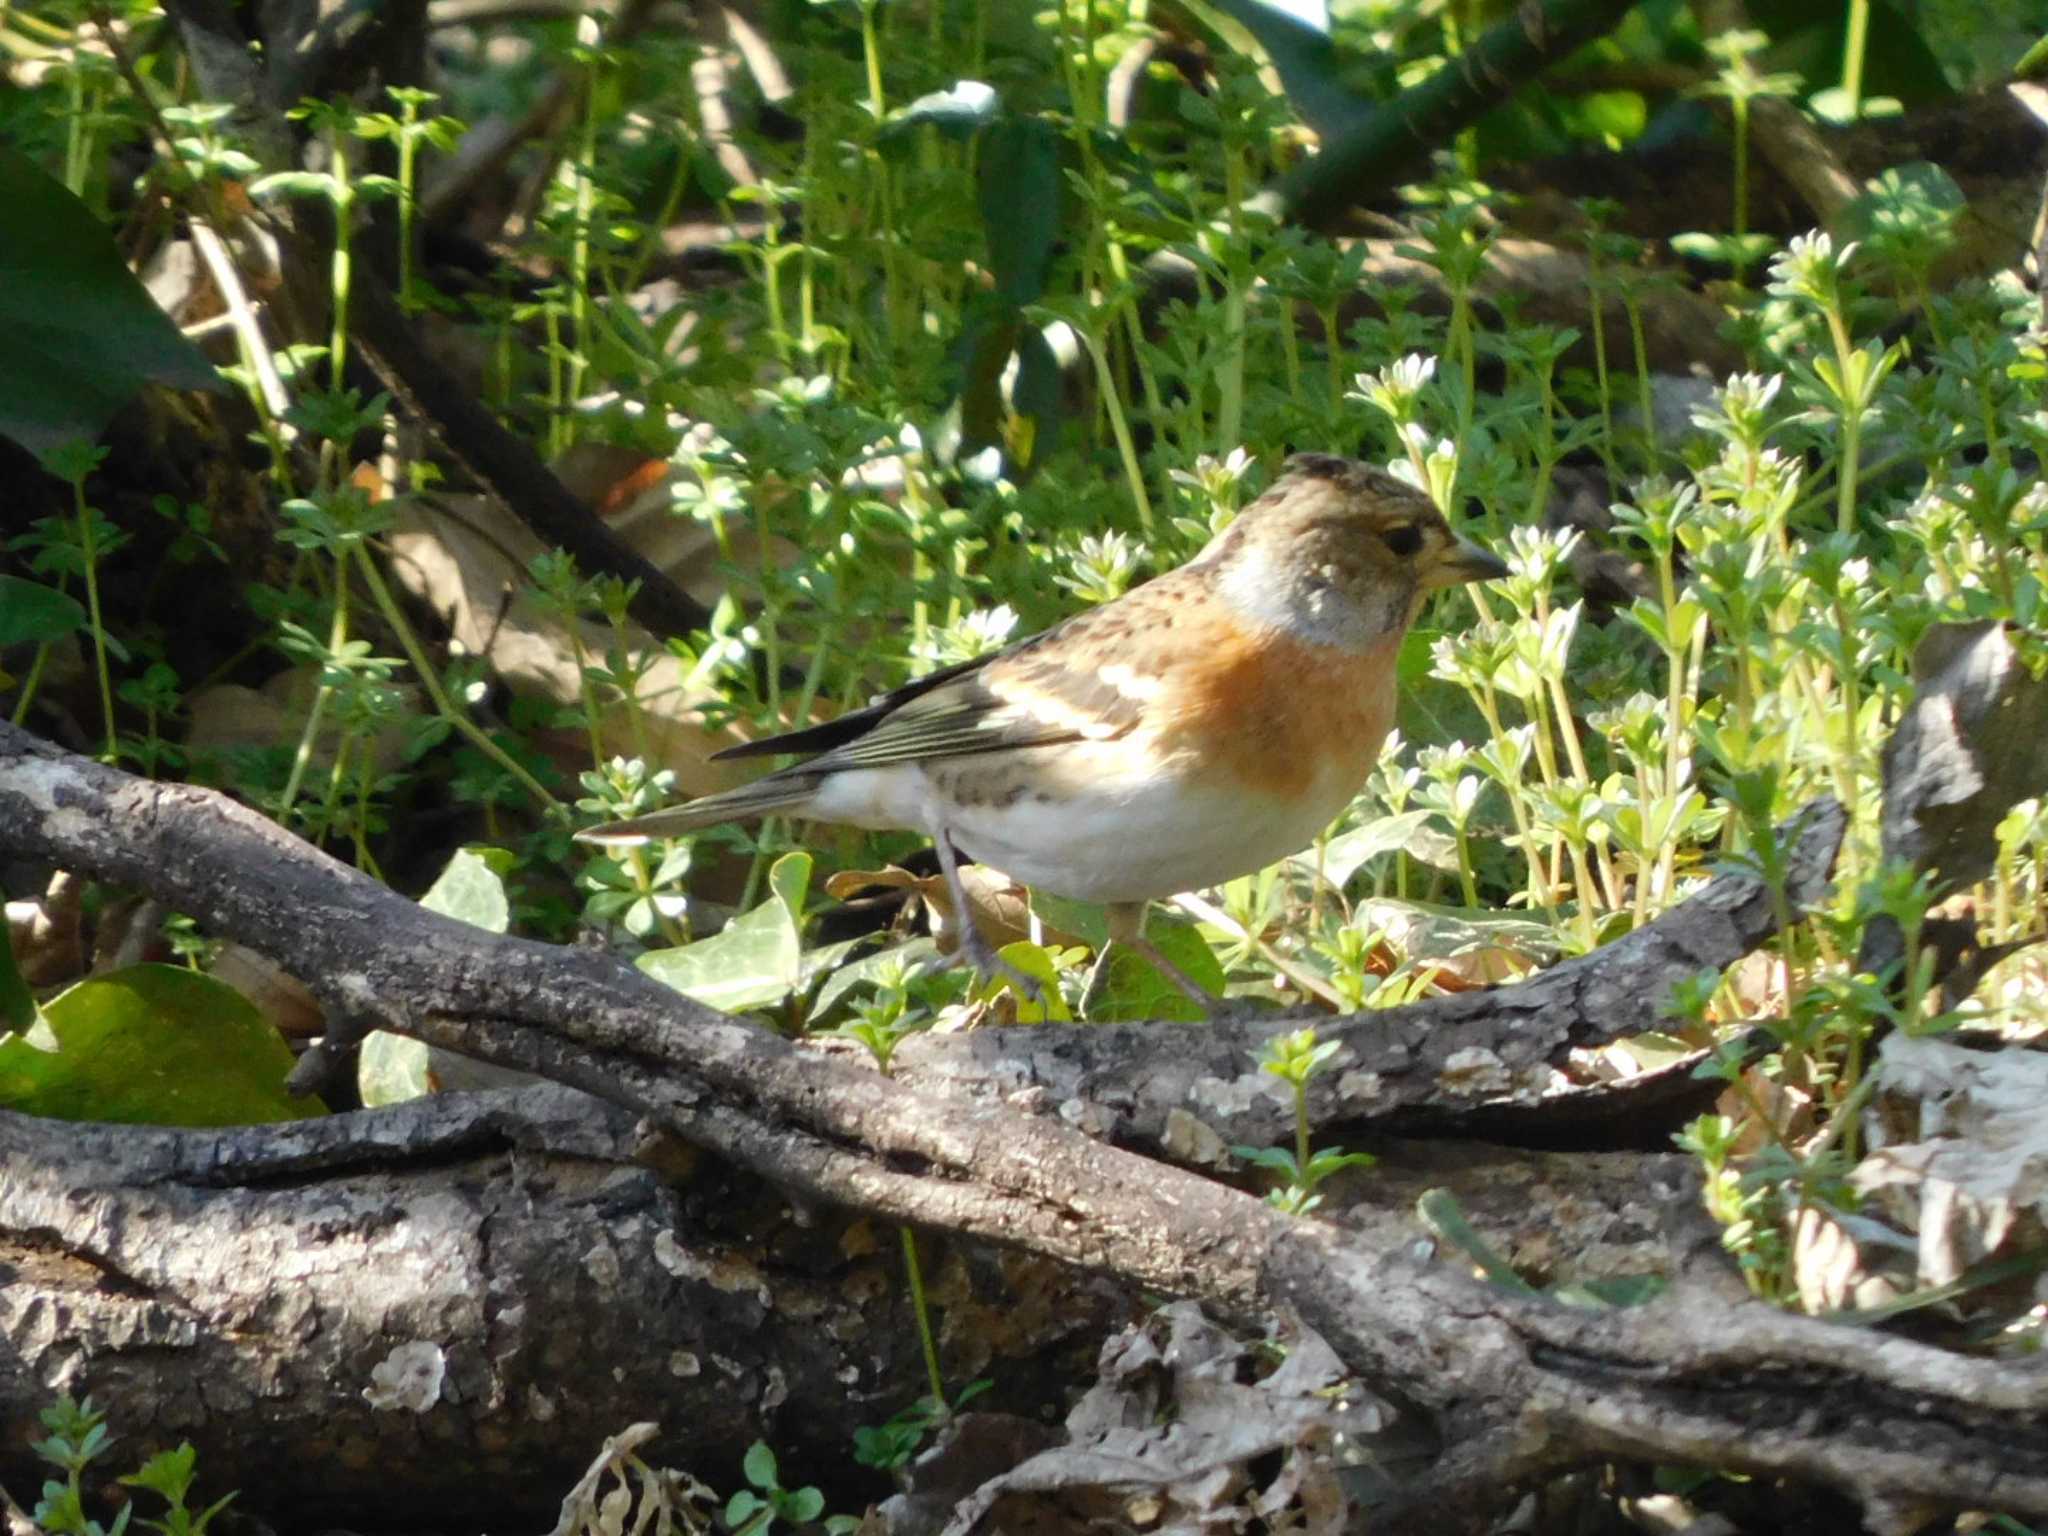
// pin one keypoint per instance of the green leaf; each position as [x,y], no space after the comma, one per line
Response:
[1441,1213]
[390,1069]
[1278,1159]
[472,888]
[823,960]
[155,1045]
[82,333]
[167,1472]
[1134,990]
[1035,962]
[1345,855]
[759,1465]
[790,879]
[803,1506]
[909,955]
[31,611]
[1020,204]
[755,961]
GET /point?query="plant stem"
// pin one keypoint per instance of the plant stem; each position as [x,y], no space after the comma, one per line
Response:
[915,1274]
[431,681]
[1853,46]
[88,540]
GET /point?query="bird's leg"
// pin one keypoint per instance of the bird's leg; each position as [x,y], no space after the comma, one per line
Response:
[1127,926]
[975,948]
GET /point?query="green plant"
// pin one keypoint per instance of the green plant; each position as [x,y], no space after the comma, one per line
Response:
[77,1437]
[754,1510]
[1295,1059]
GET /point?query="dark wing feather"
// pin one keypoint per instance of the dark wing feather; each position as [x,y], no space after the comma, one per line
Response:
[982,705]
[856,723]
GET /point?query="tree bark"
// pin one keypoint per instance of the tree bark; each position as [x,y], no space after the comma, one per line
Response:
[1517,1386]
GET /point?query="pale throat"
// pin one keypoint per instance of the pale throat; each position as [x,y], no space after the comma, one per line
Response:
[1315,604]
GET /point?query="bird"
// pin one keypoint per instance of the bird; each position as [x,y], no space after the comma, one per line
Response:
[1199,727]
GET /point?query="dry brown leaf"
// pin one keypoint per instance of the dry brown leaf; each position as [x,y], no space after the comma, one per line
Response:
[1167,1436]
[48,932]
[1957,1175]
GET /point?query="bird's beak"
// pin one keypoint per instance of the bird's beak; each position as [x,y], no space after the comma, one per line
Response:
[1465,561]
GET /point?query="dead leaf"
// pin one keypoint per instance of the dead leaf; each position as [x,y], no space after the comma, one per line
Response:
[48,932]
[1957,1175]
[1168,1434]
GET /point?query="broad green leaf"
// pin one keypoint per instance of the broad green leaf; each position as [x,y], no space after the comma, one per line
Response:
[1083,919]
[82,333]
[804,1506]
[1134,990]
[31,611]
[790,879]
[393,1068]
[1034,961]
[752,963]
[824,960]
[151,1044]
[472,888]
[1343,856]
[390,1069]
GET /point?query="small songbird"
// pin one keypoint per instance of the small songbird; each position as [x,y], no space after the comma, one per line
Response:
[1198,728]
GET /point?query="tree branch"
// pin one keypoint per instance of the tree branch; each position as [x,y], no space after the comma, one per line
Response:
[1520,1386]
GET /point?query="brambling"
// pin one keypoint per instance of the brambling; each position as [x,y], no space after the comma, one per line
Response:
[1200,727]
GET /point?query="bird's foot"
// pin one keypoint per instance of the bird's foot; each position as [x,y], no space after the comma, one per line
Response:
[991,969]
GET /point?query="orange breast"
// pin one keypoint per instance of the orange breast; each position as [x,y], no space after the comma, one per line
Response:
[1275,715]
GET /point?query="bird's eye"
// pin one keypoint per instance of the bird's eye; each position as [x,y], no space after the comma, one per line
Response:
[1404,539]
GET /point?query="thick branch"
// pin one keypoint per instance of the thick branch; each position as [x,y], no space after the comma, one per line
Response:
[1393,143]
[1522,1386]
[1498,1048]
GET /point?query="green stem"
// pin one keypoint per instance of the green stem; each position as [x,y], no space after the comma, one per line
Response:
[1853,47]
[89,542]
[337,637]
[1120,427]
[431,681]
[341,269]
[915,1274]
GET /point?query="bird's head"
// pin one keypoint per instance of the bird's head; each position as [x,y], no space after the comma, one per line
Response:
[1340,553]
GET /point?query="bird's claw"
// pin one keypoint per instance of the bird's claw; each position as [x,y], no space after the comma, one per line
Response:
[991,968]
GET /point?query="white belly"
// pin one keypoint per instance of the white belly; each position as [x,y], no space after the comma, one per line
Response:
[1140,846]
[1110,840]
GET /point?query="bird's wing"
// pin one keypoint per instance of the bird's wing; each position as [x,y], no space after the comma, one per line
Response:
[1035,693]
[841,729]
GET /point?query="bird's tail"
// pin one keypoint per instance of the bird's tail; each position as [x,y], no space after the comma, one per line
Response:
[777,792]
